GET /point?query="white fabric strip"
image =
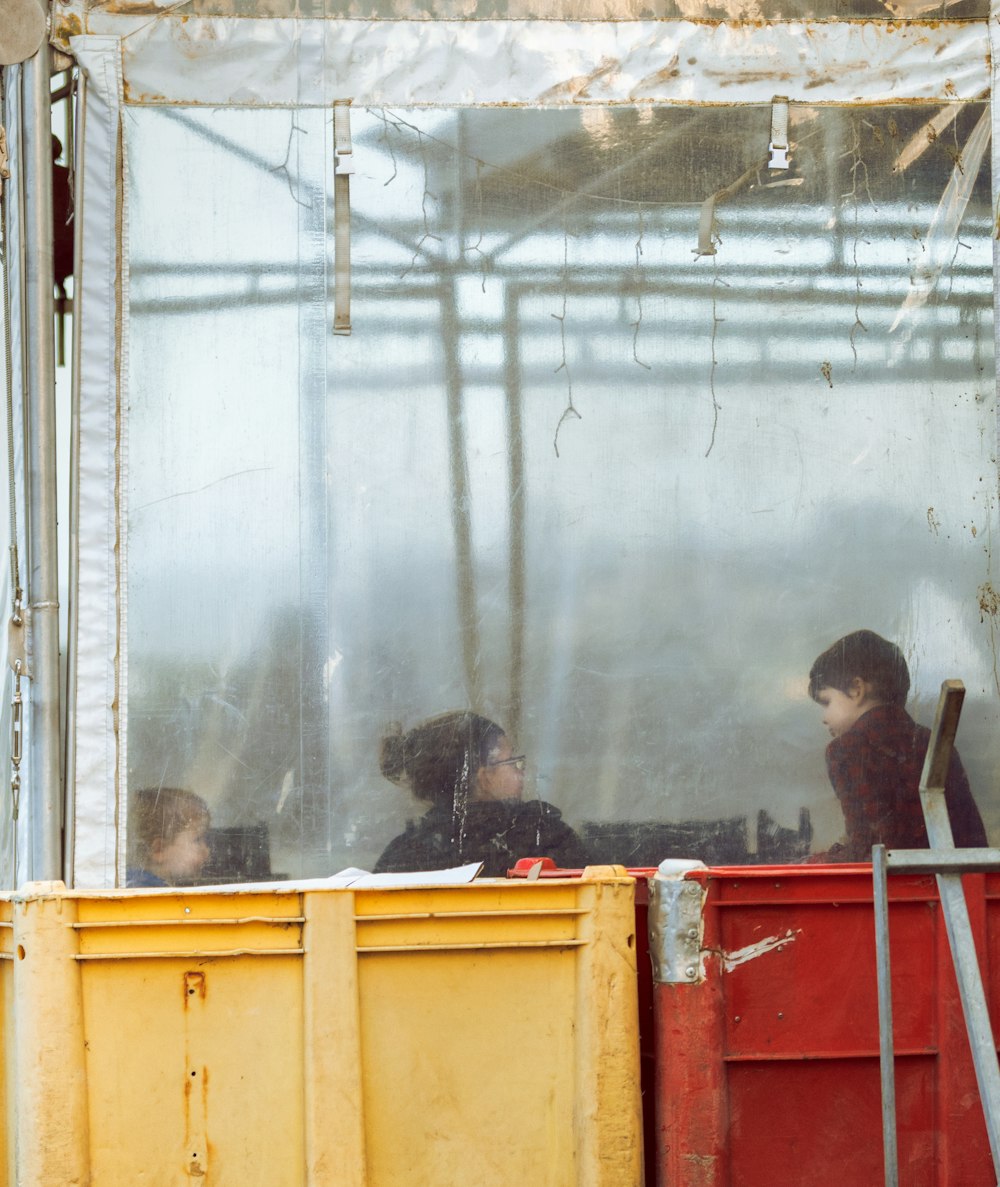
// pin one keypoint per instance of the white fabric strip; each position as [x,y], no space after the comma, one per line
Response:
[253,62]
[97,642]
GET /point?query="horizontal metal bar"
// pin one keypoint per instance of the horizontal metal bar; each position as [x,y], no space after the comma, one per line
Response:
[191,954]
[932,861]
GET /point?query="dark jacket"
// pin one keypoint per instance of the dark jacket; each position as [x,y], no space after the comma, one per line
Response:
[875,769]
[495,832]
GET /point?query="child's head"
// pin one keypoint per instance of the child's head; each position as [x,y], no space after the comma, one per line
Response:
[858,672]
[866,656]
[167,829]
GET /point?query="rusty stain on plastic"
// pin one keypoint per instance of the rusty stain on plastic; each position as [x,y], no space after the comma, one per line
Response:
[989,601]
[194,983]
[197,1164]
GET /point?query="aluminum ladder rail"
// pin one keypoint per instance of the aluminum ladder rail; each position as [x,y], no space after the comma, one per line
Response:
[948,864]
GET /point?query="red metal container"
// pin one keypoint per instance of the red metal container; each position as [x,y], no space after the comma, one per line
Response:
[767,1046]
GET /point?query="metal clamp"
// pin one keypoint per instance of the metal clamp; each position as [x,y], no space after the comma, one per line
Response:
[19,655]
[675,924]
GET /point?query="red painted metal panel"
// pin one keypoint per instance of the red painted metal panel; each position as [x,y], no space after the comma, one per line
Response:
[767,1070]
[766,1073]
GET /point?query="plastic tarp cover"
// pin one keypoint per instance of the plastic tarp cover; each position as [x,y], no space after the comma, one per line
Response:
[614,494]
[246,62]
[612,491]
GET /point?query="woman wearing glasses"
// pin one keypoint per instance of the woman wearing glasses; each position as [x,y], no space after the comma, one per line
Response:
[463,765]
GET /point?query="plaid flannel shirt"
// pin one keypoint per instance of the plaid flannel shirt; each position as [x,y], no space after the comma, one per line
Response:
[875,769]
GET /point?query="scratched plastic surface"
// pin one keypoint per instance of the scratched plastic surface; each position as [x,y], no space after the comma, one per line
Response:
[882,11]
[296,1037]
[615,494]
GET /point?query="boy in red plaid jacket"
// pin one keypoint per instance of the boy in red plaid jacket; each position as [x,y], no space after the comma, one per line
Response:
[876,755]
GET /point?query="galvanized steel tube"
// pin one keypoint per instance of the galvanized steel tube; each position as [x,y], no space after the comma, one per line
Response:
[44,781]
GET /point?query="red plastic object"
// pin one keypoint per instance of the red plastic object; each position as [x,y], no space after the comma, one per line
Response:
[547,868]
[767,1070]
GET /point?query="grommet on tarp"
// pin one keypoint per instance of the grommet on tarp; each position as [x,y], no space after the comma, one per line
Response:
[778,147]
[343,167]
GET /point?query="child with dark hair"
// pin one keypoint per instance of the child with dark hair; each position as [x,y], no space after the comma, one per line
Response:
[876,757]
[167,837]
[463,765]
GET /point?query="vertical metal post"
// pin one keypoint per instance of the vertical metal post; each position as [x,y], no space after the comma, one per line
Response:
[42,584]
[956,910]
[886,1054]
[973,995]
[73,559]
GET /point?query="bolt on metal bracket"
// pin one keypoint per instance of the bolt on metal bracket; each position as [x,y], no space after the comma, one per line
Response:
[675,924]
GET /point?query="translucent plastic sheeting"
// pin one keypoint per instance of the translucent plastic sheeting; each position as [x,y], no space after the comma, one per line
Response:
[709,10]
[205,61]
[612,493]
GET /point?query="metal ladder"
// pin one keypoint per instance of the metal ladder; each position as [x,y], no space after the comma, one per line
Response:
[948,864]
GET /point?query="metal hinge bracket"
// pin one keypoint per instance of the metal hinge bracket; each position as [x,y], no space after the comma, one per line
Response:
[676,925]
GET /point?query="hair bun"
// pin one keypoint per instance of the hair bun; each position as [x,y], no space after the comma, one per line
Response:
[392,755]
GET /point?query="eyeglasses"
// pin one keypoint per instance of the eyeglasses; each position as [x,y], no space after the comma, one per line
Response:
[517,762]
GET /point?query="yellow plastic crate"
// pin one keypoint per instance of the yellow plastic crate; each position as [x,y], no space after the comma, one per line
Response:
[434,1037]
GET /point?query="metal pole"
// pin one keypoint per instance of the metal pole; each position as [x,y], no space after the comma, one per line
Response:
[886,1049]
[45,853]
[73,561]
[956,910]
[977,1015]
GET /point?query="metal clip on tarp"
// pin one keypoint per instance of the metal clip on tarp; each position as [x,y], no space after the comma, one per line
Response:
[778,148]
[343,168]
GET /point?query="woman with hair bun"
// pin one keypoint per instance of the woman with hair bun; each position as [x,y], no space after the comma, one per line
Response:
[463,765]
